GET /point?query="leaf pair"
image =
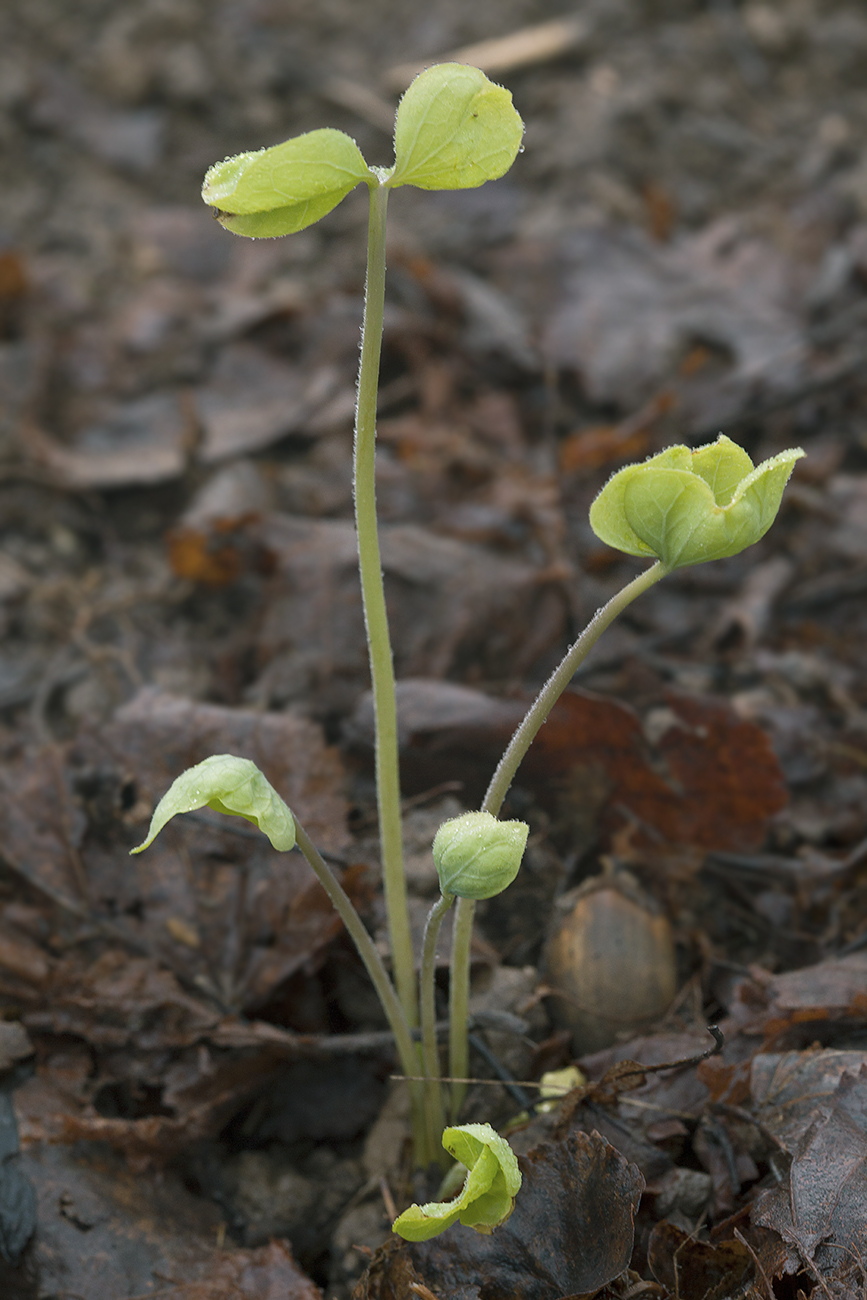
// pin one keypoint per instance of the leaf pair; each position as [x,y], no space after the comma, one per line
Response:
[477,856]
[228,785]
[454,130]
[688,507]
[488,1195]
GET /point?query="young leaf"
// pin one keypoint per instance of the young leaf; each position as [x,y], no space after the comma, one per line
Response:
[488,1195]
[455,130]
[228,785]
[280,190]
[478,856]
[688,507]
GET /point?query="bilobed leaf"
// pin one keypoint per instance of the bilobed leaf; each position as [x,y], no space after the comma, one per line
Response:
[760,493]
[477,856]
[228,785]
[455,130]
[608,517]
[722,465]
[287,187]
[688,507]
[666,509]
[281,221]
[488,1195]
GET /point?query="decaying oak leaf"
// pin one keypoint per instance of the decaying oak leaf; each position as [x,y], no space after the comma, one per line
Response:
[819,1209]
[713,781]
[571,1232]
[107,1233]
[699,1269]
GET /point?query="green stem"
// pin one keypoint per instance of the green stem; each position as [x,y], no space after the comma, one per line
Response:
[406,1048]
[459,979]
[459,1001]
[407,1052]
[430,1054]
[557,683]
[375,615]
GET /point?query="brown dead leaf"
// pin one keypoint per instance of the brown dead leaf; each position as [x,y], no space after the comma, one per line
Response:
[267,1273]
[454,603]
[252,400]
[213,542]
[660,209]
[711,780]
[769,1013]
[214,558]
[594,447]
[68,819]
[794,1008]
[714,782]
[14,289]
[122,1001]
[819,1210]
[700,1270]
[631,309]
[141,442]
[109,1234]
[600,445]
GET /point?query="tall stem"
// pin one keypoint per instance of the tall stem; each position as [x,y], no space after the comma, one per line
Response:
[459,980]
[375,616]
[430,1054]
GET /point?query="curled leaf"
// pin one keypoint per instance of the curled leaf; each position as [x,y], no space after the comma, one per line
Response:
[228,785]
[488,1194]
[478,856]
[688,507]
[455,130]
[280,190]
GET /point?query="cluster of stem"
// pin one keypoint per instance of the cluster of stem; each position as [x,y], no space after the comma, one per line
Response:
[404,1005]
[454,129]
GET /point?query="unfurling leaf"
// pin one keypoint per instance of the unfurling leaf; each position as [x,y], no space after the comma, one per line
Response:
[478,856]
[488,1195]
[228,785]
[455,130]
[280,190]
[688,507]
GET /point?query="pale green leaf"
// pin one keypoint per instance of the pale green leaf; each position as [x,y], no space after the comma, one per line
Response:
[688,507]
[228,785]
[488,1194]
[608,513]
[665,509]
[280,221]
[722,465]
[761,492]
[288,186]
[478,856]
[455,130]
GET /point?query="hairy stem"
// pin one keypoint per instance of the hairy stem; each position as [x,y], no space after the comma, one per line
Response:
[430,1054]
[459,980]
[375,616]
[558,681]
[459,1000]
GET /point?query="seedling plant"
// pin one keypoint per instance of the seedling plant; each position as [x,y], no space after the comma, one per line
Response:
[454,129]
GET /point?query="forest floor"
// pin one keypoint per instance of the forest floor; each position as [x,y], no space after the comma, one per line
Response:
[197,1068]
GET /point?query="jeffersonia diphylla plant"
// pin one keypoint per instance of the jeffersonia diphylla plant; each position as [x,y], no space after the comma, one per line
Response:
[454,129]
